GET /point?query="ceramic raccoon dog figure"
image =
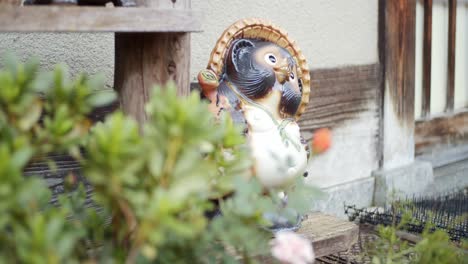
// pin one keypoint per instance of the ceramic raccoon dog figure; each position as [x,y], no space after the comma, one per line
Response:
[259,76]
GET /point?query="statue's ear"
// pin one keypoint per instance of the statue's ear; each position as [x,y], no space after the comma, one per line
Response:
[235,48]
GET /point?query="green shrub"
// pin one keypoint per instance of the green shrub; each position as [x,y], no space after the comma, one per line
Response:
[434,247]
[39,113]
[155,183]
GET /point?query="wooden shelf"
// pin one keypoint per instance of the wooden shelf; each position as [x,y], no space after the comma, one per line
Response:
[329,235]
[97,19]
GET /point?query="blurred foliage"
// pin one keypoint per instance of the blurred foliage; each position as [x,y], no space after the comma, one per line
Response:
[435,245]
[39,113]
[153,185]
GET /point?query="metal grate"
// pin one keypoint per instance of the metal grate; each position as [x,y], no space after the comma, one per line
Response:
[448,212]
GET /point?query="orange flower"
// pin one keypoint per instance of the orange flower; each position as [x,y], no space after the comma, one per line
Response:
[321,141]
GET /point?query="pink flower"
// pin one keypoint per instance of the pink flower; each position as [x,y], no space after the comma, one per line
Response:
[289,247]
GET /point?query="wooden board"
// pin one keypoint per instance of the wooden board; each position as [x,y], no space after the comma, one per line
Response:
[441,132]
[341,94]
[329,234]
[97,19]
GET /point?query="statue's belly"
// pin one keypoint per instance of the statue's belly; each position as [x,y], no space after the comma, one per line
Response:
[277,159]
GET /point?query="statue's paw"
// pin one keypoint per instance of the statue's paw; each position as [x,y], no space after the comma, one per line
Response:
[208,80]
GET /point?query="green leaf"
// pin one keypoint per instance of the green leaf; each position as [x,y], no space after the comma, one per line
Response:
[31,117]
[21,157]
[43,82]
[10,60]
[101,98]
[97,82]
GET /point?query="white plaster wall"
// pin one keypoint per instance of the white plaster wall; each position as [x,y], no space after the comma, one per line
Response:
[330,32]
[352,154]
[398,137]
[82,52]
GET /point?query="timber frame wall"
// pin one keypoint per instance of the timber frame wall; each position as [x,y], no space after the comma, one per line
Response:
[432,134]
[450,129]
[397,58]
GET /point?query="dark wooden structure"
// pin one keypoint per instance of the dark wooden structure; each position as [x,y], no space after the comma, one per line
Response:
[397,47]
[398,56]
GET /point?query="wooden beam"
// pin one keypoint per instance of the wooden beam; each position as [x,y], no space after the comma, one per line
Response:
[340,95]
[397,47]
[97,19]
[451,55]
[10,2]
[441,132]
[400,26]
[427,58]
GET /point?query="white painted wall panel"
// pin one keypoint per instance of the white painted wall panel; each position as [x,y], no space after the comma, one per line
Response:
[461,57]
[439,56]
[352,154]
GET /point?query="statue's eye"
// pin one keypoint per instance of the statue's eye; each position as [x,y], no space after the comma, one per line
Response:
[270,58]
[291,75]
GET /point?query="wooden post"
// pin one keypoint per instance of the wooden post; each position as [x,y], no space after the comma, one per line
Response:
[397,47]
[427,59]
[451,55]
[143,60]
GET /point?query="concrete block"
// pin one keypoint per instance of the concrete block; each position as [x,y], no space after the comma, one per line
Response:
[450,177]
[412,179]
[358,192]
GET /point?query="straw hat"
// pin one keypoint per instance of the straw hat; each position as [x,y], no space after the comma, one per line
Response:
[256,28]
